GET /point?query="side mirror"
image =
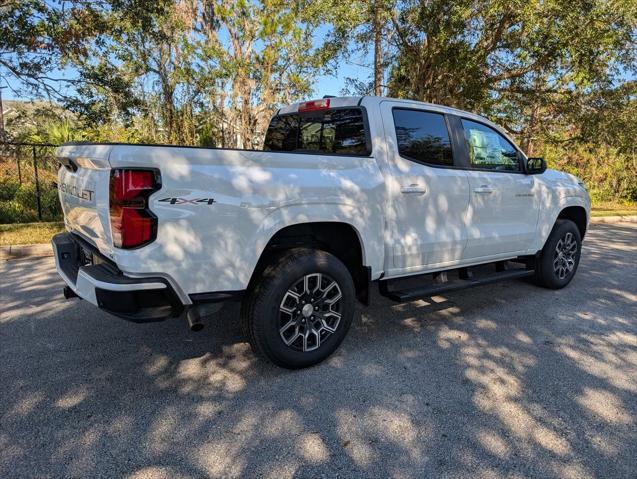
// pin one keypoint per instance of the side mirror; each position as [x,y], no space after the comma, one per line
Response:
[535,166]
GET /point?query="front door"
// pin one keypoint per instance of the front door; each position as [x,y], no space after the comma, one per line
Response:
[428,195]
[504,208]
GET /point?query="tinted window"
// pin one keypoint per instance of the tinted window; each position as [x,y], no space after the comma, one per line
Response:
[282,133]
[423,136]
[340,131]
[489,149]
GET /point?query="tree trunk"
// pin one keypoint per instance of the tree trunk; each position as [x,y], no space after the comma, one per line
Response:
[378,54]
[2,133]
[528,144]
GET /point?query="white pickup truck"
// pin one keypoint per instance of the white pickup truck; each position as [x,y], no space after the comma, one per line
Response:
[346,192]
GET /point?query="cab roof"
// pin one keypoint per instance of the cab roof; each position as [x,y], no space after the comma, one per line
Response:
[374,101]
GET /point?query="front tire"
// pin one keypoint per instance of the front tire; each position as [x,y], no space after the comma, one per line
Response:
[560,256]
[300,309]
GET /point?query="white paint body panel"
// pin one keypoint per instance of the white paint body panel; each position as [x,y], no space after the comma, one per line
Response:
[426,224]
[502,216]
[203,248]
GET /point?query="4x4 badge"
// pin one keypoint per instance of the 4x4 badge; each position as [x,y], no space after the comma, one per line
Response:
[189,201]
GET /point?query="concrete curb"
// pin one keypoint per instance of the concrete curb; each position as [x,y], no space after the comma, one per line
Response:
[29,250]
[25,251]
[614,219]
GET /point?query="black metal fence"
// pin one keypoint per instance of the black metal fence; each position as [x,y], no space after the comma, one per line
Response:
[28,188]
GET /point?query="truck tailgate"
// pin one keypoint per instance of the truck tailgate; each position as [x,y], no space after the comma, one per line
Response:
[83,184]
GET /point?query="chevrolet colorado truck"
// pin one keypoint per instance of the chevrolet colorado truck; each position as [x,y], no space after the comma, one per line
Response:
[345,194]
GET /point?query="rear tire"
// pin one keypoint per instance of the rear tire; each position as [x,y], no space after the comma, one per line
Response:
[560,256]
[299,310]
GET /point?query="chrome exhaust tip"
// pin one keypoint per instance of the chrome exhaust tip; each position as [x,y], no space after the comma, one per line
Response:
[194,320]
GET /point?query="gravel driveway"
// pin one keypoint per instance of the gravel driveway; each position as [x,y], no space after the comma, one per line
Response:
[506,380]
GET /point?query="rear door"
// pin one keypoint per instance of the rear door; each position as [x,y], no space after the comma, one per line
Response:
[428,193]
[83,184]
[504,208]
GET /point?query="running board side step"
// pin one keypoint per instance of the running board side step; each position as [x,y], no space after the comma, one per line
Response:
[453,285]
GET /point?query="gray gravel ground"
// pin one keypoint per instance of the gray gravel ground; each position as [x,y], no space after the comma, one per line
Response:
[507,380]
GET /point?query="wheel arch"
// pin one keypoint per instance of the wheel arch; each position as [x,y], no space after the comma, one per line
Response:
[341,239]
[574,208]
[577,214]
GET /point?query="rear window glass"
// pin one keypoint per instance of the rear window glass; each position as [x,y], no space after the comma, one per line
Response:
[423,136]
[340,131]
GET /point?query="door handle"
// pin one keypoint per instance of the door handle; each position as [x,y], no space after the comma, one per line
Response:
[413,189]
[484,190]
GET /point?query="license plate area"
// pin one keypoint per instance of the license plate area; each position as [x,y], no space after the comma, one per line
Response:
[86,257]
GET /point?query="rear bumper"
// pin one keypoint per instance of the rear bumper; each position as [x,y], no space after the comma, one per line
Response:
[98,281]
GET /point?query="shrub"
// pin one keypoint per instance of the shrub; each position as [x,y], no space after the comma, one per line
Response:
[23,205]
[14,212]
[27,195]
[609,174]
[8,189]
[51,209]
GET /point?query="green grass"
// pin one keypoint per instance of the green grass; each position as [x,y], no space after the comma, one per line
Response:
[28,233]
[614,209]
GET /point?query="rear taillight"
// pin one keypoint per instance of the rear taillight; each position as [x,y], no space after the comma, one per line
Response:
[132,222]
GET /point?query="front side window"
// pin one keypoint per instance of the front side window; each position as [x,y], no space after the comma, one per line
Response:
[488,149]
[423,136]
[339,131]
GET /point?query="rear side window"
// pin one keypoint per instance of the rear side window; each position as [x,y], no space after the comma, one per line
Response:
[488,149]
[423,136]
[339,131]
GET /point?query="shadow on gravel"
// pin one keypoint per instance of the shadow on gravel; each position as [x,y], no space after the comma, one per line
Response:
[505,380]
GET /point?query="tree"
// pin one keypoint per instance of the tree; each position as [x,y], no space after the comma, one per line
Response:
[36,37]
[378,49]
[361,28]
[268,60]
[200,71]
[133,73]
[556,74]
[504,58]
